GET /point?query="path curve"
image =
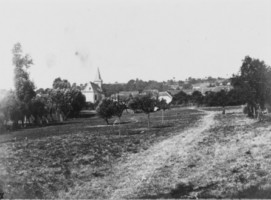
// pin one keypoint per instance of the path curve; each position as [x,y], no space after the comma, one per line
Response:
[139,168]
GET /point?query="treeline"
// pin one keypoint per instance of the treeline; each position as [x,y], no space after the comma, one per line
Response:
[134,85]
[251,86]
[140,85]
[25,104]
[222,98]
[147,104]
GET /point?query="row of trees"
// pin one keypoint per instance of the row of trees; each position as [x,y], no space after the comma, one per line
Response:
[221,98]
[134,85]
[252,86]
[38,106]
[147,104]
[140,85]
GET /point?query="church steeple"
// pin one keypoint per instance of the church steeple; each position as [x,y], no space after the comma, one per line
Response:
[98,80]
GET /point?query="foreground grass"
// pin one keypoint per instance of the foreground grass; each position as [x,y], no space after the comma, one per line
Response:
[44,162]
[232,160]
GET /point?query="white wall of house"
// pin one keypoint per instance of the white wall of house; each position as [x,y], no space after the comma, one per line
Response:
[166,98]
[90,97]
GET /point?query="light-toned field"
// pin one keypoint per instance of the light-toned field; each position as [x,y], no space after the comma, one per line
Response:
[197,154]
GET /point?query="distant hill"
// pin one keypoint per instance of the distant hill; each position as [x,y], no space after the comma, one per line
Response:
[189,85]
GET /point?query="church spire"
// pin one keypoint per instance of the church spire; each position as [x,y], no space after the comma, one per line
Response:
[98,75]
[98,80]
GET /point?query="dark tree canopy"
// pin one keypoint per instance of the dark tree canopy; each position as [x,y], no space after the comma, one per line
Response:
[61,84]
[254,80]
[106,109]
[146,104]
[24,87]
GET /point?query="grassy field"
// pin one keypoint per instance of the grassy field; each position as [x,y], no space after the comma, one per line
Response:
[195,154]
[43,162]
[231,160]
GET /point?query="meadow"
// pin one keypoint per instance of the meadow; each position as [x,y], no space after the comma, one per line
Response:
[196,153]
[45,161]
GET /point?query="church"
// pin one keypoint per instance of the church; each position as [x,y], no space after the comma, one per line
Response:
[93,90]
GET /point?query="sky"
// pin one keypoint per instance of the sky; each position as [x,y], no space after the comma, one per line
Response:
[129,39]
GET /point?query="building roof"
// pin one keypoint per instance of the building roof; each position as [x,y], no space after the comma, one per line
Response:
[187,91]
[173,92]
[127,93]
[150,92]
[92,86]
[96,88]
[165,93]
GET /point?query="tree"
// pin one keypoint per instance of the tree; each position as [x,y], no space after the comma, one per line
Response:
[61,84]
[38,109]
[69,101]
[163,105]
[119,107]
[130,86]
[106,109]
[78,101]
[145,103]
[24,88]
[11,108]
[236,96]
[254,80]
[180,98]
[197,98]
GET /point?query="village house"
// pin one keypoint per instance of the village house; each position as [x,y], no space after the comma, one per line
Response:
[166,96]
[93,90]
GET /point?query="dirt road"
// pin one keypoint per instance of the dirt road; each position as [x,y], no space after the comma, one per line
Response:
[223,156]
[144,169]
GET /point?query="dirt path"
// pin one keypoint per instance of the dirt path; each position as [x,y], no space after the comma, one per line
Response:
[138,171]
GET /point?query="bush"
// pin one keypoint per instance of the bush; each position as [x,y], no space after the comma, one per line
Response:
[106,109]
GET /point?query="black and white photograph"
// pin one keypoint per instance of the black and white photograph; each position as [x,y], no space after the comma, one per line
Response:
[135,99]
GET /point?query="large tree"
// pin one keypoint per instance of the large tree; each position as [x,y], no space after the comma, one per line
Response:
[146,103]
[181,98]
[24,87]
[61,84]
[254,80]
[197,98]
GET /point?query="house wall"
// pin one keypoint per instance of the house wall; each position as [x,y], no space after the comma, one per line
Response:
[167,98]
[89,96]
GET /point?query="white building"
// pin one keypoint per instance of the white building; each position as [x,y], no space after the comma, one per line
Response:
[166,96]
[93,91]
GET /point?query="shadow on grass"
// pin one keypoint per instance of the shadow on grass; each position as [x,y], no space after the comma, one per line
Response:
[86,115]
[162,126]
[33,126]
[181,191]
[254,192]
